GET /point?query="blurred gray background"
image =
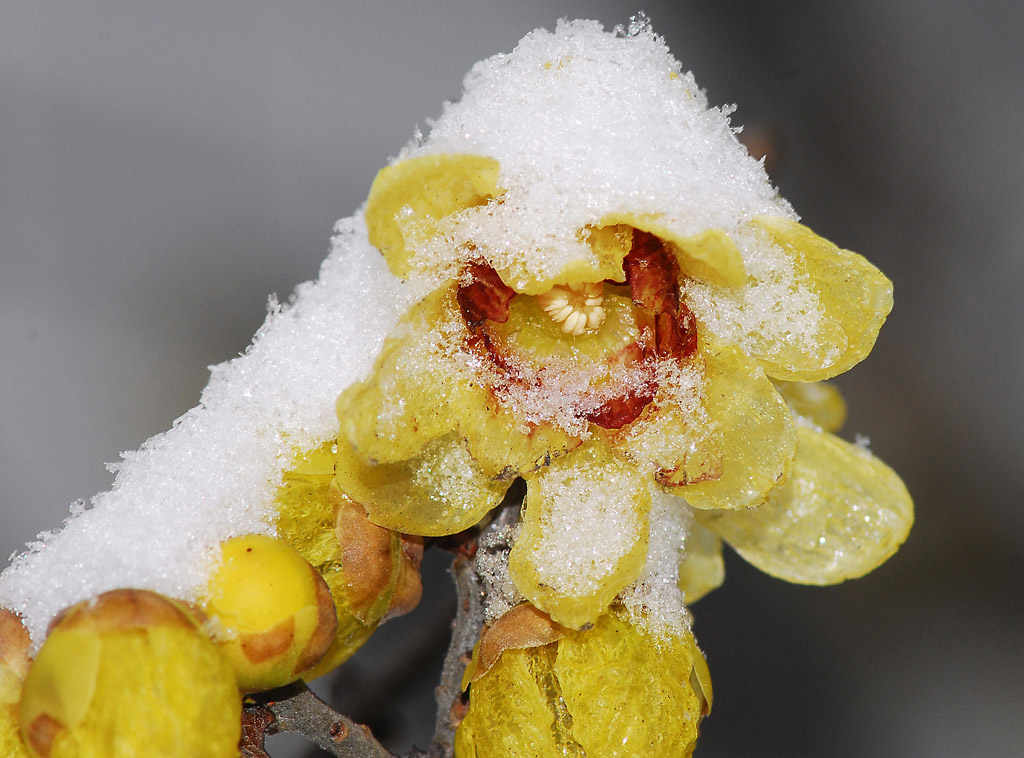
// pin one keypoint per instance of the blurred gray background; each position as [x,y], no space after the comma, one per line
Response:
[166,166]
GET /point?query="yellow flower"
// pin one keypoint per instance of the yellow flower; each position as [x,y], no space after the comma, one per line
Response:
[642,363]
[608,691]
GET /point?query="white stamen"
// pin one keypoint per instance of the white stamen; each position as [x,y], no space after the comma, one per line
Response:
[578,307]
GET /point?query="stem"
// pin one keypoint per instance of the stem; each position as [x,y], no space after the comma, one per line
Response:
[466,629]
[295,709]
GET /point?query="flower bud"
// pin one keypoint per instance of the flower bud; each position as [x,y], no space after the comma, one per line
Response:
[15,648]
[15,656]
[611,691]
[372,572]
[271,613]
[375,576]
[130,673]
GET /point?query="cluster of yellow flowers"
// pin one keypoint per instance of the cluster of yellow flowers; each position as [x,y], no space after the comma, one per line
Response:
[624,381]
[431,452]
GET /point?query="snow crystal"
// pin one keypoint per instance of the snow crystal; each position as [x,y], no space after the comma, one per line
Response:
[500,594]
[213,475]
[654,602]
[590,521]
[585,124]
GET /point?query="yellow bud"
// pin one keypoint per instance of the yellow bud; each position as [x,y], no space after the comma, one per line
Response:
[611,691]
[271,613]
[125,674]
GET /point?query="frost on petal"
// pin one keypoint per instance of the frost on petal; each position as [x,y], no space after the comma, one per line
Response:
[710,256]
[841,514]
[818,402]
[583,536]
[755,432]
[415,382]
[408,199]
[439,491]
[702,568]
[675,439]
[854,299]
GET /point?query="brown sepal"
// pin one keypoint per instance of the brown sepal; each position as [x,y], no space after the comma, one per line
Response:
[124,609]
[42,732]
[409,588]
[522,627]
[264,646]
[323,632]
[365,552]
[15,644]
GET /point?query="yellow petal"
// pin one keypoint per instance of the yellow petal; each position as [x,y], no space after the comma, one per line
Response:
[439,491]
[702,568]
[510,712]
[583,536]
[505,447]
[608,691]
[819,402]
[675,438]
[710,256]
[755,430]
[854,298]
[629,695]
[414,385]
[408,199]
[842,513]
[11,745]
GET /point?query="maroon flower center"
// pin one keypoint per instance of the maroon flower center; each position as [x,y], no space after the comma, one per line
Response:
[652,274]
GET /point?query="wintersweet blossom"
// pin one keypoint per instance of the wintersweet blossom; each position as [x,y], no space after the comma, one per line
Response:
[482,382]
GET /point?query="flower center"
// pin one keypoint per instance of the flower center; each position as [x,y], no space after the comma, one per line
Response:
[578,307]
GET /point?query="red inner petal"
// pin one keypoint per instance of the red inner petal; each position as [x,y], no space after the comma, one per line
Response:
[652,274]
[653,277]
[485,297]
[619,411]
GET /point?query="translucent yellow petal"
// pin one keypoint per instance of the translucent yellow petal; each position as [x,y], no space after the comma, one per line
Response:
[583,536]
[409,396]
[608,691]
[841,513]
[510,712]
[408,199]
[675,439]
[702,568]
[629,695]
[441,490]
[306,521]
[820,402]
[755,431]
[854,300]
[503,446]
[710,256]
